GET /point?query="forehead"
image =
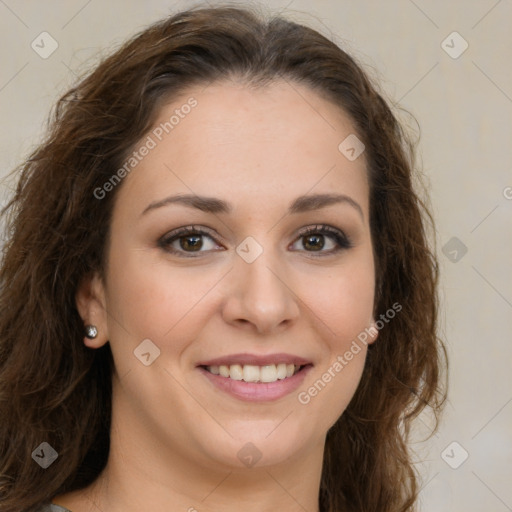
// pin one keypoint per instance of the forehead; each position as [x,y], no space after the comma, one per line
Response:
[263,145]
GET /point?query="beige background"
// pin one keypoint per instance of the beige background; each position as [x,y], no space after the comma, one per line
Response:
[464,108]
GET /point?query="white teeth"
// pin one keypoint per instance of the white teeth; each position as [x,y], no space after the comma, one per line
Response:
[252,373]
[236,372]
[281,371]
[268,373]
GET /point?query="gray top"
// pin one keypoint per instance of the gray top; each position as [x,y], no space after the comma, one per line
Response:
[53,508]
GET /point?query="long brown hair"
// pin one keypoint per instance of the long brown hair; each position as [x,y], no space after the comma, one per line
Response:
[54,389]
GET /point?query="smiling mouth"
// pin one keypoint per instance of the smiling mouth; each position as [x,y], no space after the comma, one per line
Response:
[252,373]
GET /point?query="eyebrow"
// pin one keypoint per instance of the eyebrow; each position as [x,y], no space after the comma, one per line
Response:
[213,205]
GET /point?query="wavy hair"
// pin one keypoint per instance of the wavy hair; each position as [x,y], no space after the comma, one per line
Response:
[54,389]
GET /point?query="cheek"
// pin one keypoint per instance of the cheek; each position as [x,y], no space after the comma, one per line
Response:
[342,300]
[344,311]
[154,300]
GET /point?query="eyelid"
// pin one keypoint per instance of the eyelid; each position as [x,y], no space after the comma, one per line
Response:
[190,229]
[321,228]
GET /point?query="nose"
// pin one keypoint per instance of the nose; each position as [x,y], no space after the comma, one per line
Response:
[259,297]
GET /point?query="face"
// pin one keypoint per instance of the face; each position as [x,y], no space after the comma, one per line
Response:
[240,271]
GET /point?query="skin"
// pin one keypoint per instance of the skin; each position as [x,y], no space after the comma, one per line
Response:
[175,438]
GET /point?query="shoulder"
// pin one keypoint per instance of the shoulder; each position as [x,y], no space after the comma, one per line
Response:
[52,508]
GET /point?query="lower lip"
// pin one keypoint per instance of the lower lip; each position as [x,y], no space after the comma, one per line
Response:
[257,391]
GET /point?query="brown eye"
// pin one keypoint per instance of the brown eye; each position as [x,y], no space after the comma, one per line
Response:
[314,242]
[186,241]
[324,240]
[191,242]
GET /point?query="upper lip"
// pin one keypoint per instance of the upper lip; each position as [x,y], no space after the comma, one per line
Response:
[255,359]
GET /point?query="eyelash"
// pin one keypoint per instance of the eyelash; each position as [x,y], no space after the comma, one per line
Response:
[342,240]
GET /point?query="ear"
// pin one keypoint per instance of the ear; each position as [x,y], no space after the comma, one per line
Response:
[91,305]
[373,332]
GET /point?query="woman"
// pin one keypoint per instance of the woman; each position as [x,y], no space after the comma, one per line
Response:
[217,290]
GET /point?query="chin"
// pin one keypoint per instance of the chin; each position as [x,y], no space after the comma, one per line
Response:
[258,444]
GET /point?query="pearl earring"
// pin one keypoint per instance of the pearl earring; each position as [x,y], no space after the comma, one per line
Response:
[91,331]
